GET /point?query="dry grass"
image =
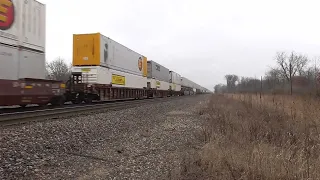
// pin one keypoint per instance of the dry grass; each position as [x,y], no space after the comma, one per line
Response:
[275,137]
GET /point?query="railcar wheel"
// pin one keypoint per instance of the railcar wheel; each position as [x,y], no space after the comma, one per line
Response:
[88,100]
[58,101]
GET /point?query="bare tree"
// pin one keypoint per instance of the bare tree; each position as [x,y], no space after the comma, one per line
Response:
[293,72]
[58,69]
[291,65]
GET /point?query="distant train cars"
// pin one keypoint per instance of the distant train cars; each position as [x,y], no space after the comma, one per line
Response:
[113,71]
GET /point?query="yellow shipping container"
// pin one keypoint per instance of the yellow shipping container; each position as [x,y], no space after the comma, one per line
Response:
[86,49]
[98,50]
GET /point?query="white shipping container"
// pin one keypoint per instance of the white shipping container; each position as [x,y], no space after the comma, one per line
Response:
[96,49]
[15,63]
[187,83]
[175,87]
[158,71]
[175,78]
[156,84]
[103,75]
[118,57]
[23,23]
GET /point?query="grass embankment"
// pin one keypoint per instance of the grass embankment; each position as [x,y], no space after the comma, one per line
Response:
[275,137]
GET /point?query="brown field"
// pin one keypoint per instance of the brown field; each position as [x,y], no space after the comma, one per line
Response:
[248,137]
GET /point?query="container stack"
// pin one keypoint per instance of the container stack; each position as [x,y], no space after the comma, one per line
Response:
[105,61]
[175,81]
[22,39]
[187,86]
[158,76]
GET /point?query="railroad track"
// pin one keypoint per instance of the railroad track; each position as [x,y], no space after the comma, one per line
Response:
[36,107]
[54,113]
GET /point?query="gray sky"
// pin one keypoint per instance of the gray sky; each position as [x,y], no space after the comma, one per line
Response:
[202,40]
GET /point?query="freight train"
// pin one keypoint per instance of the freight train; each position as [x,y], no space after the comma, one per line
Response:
[77,90]
[102,70]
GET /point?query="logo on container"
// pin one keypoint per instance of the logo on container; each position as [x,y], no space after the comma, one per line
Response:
[6,14]
[140,63]
[105,52]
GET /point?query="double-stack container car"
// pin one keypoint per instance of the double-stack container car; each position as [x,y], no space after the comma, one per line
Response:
[22,56]
[22,39]
[105,61]
[110,68]
[158,78]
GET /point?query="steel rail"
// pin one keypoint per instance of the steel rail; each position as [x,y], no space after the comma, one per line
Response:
[55,113]
[5,110]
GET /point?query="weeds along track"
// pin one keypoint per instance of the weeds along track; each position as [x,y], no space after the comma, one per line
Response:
[55,113]
[275,137]
[296,106]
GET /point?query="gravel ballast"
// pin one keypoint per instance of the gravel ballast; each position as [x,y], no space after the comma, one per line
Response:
[139,143]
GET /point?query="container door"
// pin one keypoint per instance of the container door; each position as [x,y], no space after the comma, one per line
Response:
[32,64]
[86,49]
[8,62]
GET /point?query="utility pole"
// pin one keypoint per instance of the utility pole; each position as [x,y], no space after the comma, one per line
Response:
[315,75]
[255,85]
[260,87]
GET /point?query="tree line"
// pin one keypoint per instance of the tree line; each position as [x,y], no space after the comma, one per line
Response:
[293,73]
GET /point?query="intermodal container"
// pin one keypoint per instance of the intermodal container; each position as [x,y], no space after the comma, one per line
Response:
[16,63]
[186,82]
[157,84]
[98,50]
[22,23]
[158,71]
[175,77]
[175,87]
[103,75]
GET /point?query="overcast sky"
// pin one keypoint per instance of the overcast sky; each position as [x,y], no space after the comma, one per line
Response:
[201,39]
